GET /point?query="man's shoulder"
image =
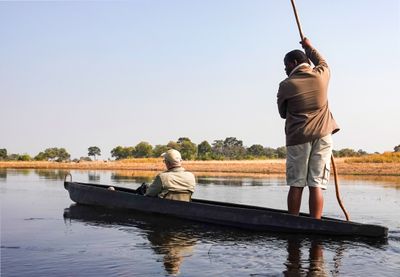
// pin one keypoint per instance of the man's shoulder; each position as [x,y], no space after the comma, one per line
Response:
[189,173]
[164,173]
[288,82]
[182,172]
[285,86]
[285,81]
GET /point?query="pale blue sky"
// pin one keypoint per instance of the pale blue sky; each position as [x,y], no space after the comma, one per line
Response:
[78,74]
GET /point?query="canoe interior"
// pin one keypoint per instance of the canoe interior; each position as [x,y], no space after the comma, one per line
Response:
[203,201]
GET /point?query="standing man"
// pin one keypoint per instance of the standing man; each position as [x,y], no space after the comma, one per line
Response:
[303,102]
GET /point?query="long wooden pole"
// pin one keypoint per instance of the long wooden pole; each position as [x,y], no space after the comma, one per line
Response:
[346,214]
[332,159]
[297,20]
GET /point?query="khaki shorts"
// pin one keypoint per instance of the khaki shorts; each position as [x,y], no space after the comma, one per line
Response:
[308,164]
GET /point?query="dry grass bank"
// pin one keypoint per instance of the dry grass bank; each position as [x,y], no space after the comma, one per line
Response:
[252,168]
[387,157]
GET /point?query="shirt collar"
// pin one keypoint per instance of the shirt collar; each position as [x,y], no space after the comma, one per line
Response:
[176,169]
[297,67]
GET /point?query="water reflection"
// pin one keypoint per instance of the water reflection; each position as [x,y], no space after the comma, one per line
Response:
[3,174]
[294,264]
[385,181]
[240,181]
[51,174]
[93,176]
[122,176]
[174,240]
[18,172]
[168,237]
[173,245]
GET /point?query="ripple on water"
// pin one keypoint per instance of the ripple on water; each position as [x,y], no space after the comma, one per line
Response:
[34,218]
[10,247]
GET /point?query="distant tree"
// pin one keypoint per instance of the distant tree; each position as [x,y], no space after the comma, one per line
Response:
[94,151]
[345,152]
[230,148]
[24,157]
[85,159]
[256,150]
[13,157]
[40,157]
[159,149]
[53,154]
[397,148]
[130,151]
[173,145]
[232,141]
[187,148]
[233,148]
[116,152]
[182,139]
[204,151]
[270,153]
[3,154]
[281,152]
[62,155]
[218,149]
[143,150]
[361,152]
[120,152]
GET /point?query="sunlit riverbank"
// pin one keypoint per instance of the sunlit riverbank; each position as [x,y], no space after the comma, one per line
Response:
[210,168]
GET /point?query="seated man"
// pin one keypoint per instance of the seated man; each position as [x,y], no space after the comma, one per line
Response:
[175,183]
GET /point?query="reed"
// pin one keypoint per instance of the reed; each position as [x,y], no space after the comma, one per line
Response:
[382,165]
[387,157]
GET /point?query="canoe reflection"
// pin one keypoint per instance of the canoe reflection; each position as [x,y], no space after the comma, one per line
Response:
[169,237]
[174,239]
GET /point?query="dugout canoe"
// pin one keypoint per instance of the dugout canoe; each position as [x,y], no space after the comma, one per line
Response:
[221,213]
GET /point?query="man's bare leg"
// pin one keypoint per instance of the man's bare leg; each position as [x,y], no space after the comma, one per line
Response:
[316,202]
[294,200]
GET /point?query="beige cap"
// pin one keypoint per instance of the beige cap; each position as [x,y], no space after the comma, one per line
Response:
[172,156]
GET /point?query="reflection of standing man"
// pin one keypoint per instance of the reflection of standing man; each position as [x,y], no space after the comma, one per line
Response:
[303,102]
[296,264]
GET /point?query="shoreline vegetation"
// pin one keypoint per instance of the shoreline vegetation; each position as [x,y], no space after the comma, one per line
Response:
[377,165]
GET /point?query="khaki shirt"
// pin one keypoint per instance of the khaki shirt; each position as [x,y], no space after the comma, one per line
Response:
[175,180]
[303,102]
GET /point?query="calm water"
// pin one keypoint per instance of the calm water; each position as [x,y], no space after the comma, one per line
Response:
[44,234]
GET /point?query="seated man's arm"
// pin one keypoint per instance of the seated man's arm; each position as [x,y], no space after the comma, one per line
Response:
[155,188]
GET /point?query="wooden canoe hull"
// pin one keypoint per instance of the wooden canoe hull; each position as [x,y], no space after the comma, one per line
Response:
[228,214]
